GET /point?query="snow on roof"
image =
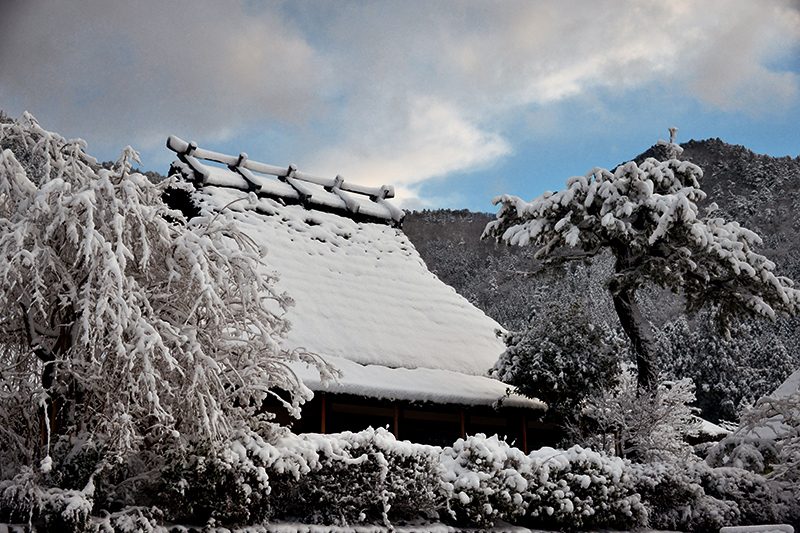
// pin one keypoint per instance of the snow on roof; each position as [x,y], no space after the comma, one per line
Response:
[291,185]
[366,302]
[788,387]
[775,427]
[711,429]
[418,384]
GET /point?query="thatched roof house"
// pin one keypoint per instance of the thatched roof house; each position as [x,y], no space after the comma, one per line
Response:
[414,354]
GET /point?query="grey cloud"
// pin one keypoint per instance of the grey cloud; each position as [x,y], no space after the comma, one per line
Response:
[729,68]
[351,75]
[138,68]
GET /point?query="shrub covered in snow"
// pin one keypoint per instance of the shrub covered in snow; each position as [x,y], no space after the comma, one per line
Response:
[369,477]
[341,479]
[23,501]
[561,358]
[756,498]
[768,438]
[205,483]
[675,499]
[132,520]
[486,479]
[647,426]
[692,496]
[352,478]
[768,442]
[579,488]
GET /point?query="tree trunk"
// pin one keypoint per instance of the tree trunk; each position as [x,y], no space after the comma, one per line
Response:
[54,413]
[640,332]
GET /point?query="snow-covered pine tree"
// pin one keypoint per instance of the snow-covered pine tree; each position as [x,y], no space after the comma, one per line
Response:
[647,216]
[120,321]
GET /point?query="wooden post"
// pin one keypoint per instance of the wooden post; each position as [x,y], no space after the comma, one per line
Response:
[524,433]
[322,414]
[396,421]
[463,424]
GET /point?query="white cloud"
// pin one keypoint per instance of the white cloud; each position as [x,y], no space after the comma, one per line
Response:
[386,92]
[430,138]
[729,67]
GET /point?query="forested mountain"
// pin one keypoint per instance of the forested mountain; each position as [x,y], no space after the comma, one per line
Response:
[760,192]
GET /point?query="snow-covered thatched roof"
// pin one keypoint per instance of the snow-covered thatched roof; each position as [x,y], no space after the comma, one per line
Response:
[364,299]
[775,427]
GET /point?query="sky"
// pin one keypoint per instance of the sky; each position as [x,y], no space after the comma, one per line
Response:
[452,102]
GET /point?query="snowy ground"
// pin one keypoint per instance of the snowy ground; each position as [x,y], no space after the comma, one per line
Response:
[290,527]
[426,528]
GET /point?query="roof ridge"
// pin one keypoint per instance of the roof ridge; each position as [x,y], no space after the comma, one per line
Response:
[327,194]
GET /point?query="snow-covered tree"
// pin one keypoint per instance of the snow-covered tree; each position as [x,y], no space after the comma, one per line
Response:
[648,428]
[119,320]
[561,359]
[768,438]
[730,373]
[647,216]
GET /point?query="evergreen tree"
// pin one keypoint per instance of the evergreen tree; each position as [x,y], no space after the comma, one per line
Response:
[647,217]
[561,359]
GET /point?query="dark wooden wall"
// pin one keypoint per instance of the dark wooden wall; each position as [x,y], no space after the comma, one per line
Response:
[425,423]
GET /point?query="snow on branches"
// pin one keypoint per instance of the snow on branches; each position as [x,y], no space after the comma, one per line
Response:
[561,359]
[119,317]
[647,215]
[650,209]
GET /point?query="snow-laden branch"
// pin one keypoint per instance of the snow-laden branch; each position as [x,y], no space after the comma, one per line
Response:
[647,215]
[165,326]
[651,211]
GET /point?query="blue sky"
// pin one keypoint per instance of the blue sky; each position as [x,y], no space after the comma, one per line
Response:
[451,102]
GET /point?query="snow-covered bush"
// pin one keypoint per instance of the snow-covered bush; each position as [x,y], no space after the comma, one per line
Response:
[486,479]
[350,478]
[24,501]
[749,452]
[578,488]
[340,479]
[132,520]
[692,496]
[228,484]
[413,478]
[768,442]
[561,359]
[756,498]
[675,499]
[769,436]
[645,425]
